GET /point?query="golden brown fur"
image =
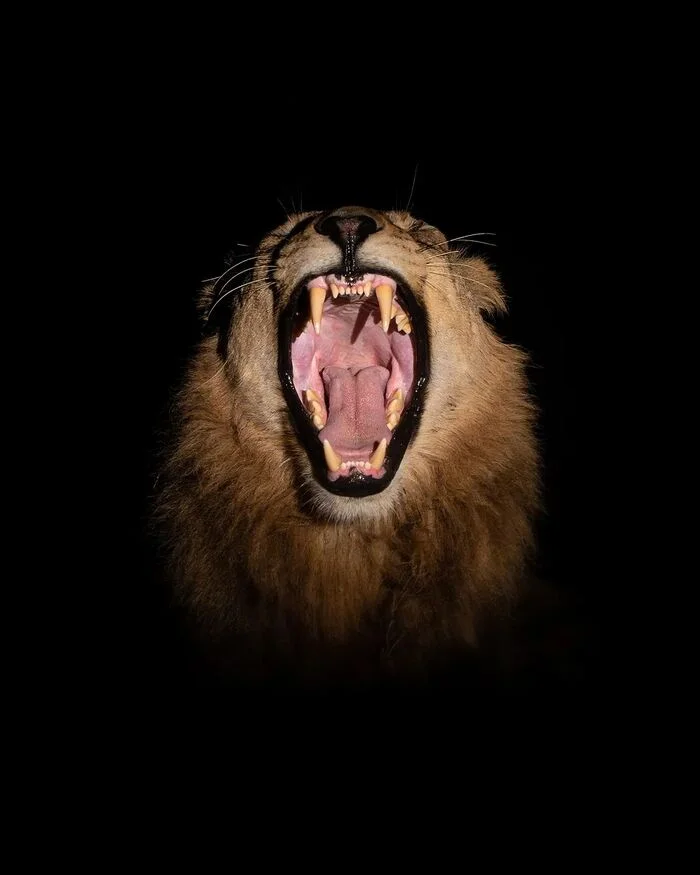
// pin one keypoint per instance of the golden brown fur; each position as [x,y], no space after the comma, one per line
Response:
[285,577]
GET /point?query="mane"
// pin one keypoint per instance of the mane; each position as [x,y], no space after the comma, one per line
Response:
[270,565]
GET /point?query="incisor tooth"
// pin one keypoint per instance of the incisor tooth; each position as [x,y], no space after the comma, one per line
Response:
[368,288]
[333,460]
[376,460]
[317,296]
[384,296]
[334,290]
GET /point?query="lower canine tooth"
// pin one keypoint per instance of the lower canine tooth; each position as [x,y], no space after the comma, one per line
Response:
[333,460]
[377,459]
[385,297]
[317,296]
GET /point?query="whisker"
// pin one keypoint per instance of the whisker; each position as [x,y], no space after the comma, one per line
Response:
[214,376]
[468,237]
[230,292]
[465,277]
[284,209]
[445,254]
[232,267]
[233,277]
[413,185]
[475,234]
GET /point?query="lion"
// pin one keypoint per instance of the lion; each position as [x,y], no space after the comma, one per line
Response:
[350,489]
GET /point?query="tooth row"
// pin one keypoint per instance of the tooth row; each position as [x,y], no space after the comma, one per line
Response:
[394,408]
[403,323]
[335,463]
[388,308]
[357,289]
[315,408]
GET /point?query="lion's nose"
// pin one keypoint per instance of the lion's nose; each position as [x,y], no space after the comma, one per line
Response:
[346,226]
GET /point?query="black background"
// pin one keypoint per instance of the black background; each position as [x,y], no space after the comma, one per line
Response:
[195,201]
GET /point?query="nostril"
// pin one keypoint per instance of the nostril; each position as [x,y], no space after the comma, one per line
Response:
[342,228]
[327,226]
[366,226]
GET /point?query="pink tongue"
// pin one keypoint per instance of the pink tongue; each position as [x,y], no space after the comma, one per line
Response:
[356,421]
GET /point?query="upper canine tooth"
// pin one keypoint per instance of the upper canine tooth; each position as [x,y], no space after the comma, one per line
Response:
[385,296]
[376,460]
[317,296]
[333,460]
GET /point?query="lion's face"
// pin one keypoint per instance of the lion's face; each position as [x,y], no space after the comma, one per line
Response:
[357,299]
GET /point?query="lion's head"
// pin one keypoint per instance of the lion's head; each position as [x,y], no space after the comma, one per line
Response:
[374,326]
[354,450]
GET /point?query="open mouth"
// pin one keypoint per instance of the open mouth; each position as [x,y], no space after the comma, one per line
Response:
[353,362]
